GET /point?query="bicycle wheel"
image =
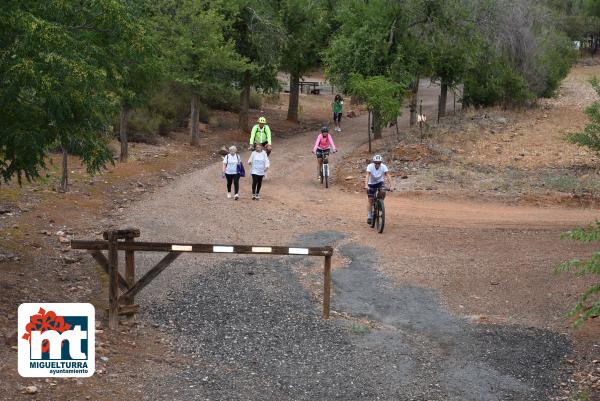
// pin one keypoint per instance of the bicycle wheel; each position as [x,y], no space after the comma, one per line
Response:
[326,171]
[380,216]
[321,174]
[373,214]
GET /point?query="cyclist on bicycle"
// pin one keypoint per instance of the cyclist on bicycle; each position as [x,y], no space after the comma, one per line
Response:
[261,133]
[323,145]
[377,174]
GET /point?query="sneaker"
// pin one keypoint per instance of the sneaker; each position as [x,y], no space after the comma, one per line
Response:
[236,197]
[228,195]
[370,219]
[257,197]
[253,197]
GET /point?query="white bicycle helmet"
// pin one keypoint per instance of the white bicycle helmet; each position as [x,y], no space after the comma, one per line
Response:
[378,158]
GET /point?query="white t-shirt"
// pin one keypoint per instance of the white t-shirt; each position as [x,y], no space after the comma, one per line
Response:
[231,163]
[259,162]
[377,175]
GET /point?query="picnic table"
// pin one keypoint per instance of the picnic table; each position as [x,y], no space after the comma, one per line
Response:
[308,85]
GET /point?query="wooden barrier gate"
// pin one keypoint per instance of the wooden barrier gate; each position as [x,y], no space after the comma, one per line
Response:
[121,291]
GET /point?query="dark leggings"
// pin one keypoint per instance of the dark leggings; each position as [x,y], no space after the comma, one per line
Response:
[235,178]
[256,183]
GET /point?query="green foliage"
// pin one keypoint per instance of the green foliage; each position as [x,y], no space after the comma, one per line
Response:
[360,45]
[305,28]
[56,72]
[228,99]
[163,111]
[168,107]
[140,61]
[590,136]
[380,93]
[193,37]
[589,303]
[555,62]
[258,36]
[492,82]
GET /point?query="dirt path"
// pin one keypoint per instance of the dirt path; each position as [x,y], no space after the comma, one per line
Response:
[421,299]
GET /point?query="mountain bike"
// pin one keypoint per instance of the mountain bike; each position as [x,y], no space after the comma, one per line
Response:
[324,173]
[378,209]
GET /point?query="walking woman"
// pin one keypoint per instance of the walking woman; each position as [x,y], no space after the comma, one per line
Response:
[230,171]
[260,164]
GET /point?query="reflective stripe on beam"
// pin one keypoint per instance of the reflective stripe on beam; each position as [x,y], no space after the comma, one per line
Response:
[262,249]
[182,248]
[223,249]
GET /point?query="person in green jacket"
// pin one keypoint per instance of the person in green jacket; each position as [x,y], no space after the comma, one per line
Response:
[336,107]
[261,133]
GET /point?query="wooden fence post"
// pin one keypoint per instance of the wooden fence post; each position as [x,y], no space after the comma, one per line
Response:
[113,283]
[130,269]
[326,287]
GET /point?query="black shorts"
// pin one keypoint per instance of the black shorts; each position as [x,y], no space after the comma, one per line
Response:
[337,117]
[321,152]
[373,188]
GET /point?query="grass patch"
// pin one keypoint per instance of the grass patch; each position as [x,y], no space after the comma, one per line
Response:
[359,328]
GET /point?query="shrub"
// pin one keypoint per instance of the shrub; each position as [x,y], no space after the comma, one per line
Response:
[164,111]
[590,136]
[228,99]
[255,100]
[589,303]
[491,82]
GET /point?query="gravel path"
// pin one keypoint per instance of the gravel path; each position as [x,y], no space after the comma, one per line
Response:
[253,333]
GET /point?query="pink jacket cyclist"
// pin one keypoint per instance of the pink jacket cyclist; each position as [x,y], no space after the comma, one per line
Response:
[322,145]
[324,142]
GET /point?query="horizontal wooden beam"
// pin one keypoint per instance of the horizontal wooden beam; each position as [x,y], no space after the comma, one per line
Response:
[98,245]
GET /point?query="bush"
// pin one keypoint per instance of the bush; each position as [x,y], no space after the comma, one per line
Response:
[588,306]
[255,100]
[590,136]
[555,63]
[228,99]
[164,111]
[491,82]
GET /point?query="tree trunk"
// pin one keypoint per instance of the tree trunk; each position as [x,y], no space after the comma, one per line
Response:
[245,103]
[443,99]
[123,133]
[64,182]
[377,128]
[194,120]
[413,101]
[294,97]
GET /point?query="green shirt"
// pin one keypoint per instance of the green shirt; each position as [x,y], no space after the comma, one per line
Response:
[337,107]
[260,135]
